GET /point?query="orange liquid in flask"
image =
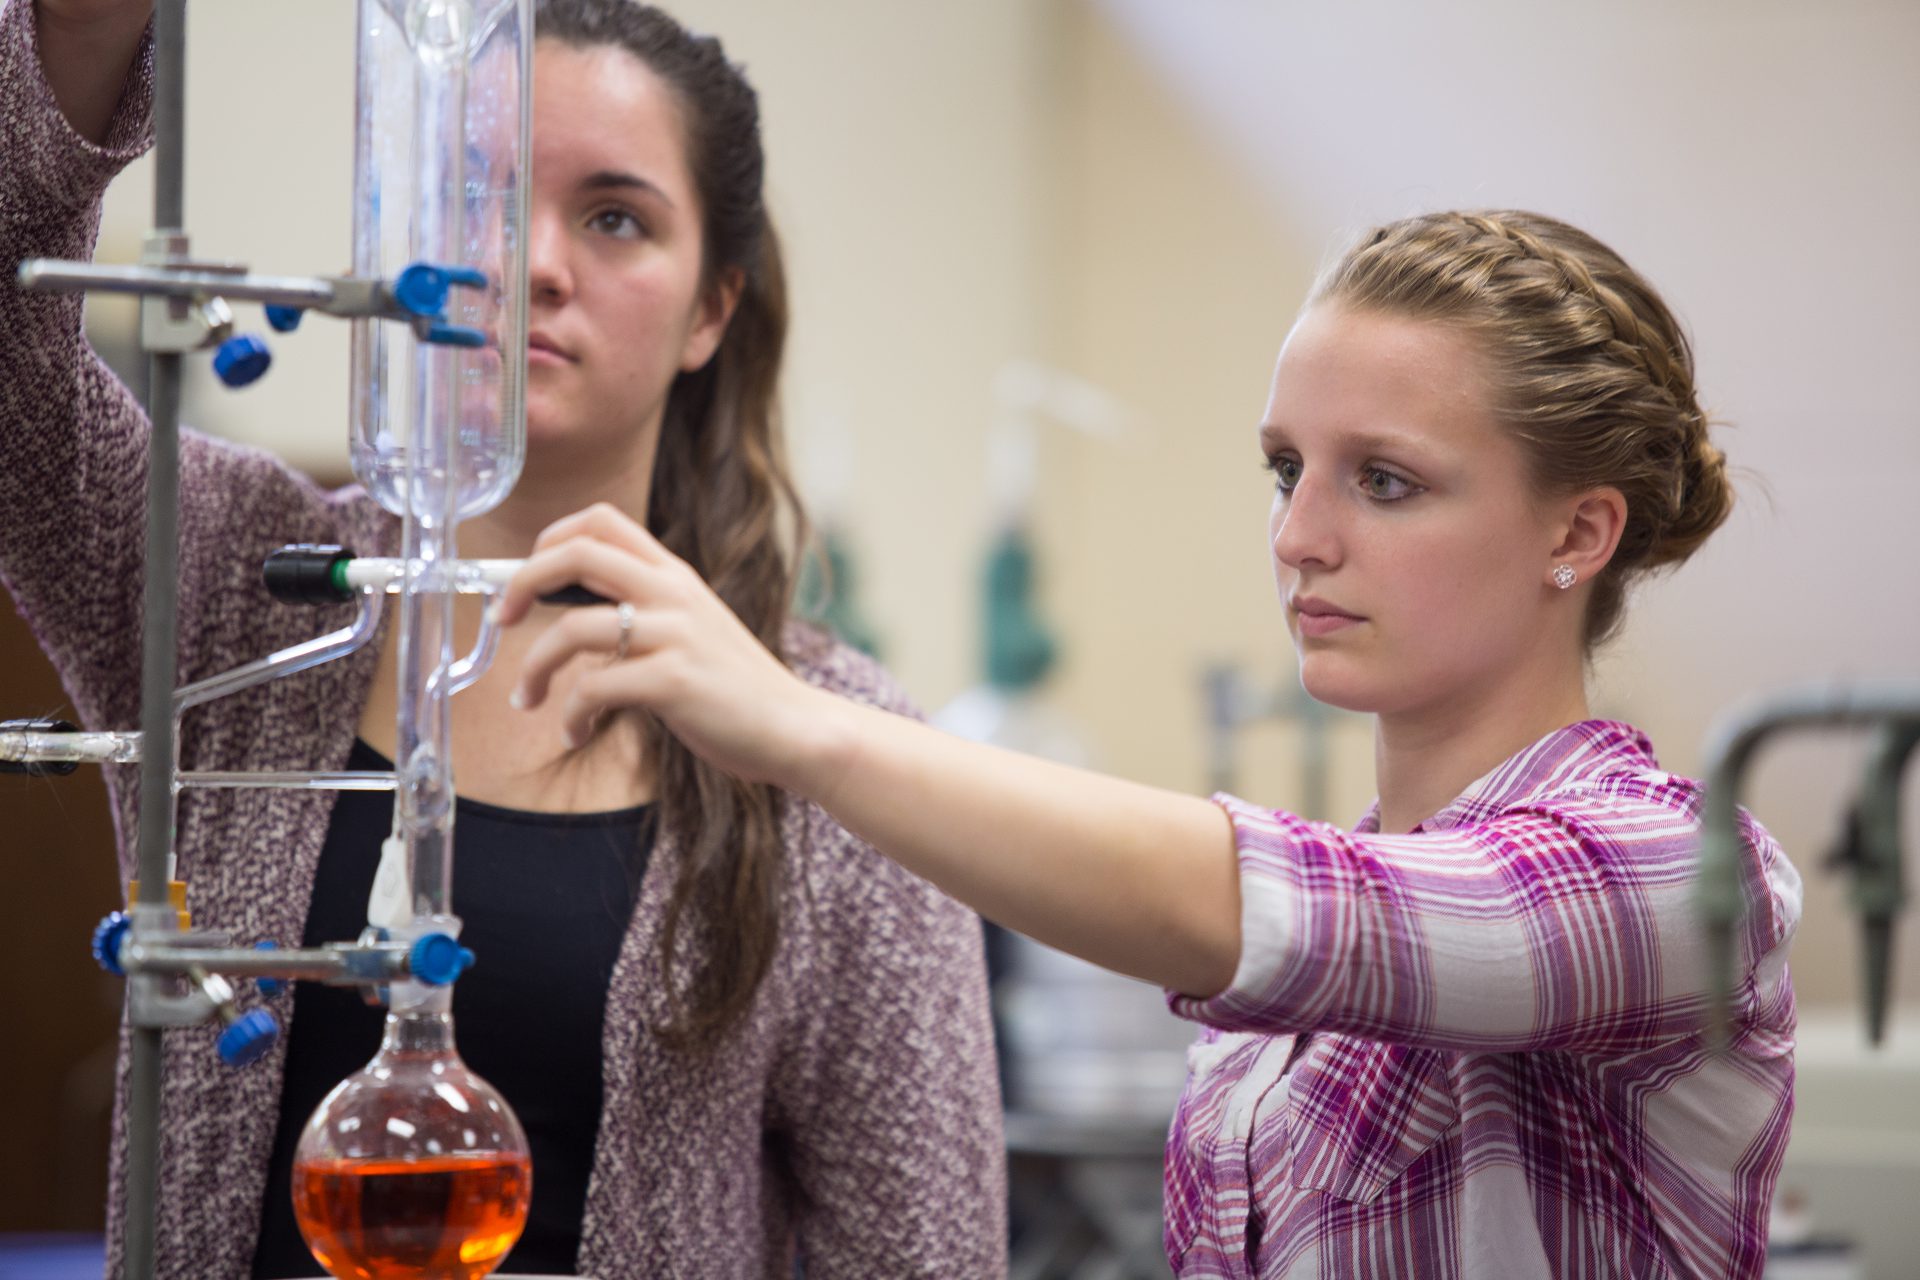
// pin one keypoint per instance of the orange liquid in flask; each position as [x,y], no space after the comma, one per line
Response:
[443,1217]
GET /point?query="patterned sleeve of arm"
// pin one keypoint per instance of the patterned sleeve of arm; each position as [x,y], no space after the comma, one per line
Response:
[73,488]
[73,485]
[1563,923]
[895,1105]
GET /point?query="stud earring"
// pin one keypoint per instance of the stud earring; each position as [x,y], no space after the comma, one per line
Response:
[1564,576]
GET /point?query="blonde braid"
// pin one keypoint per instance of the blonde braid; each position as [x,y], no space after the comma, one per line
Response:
[1596,373]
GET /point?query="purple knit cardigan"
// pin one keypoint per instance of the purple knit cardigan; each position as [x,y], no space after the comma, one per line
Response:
[856,1109]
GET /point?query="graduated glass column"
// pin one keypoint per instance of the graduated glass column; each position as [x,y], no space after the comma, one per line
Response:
[439,430]
[401,167]
[414,1166]
[439,31]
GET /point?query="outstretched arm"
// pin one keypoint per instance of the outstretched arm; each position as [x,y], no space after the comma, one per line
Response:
[1563,923]
[1138,880]
[72,485]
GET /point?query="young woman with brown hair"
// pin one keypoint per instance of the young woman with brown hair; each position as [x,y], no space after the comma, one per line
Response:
[735,1035]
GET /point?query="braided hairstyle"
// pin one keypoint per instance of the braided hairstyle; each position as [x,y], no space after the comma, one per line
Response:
[1595,375]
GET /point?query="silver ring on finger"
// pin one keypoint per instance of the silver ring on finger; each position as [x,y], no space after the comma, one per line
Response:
[624,615]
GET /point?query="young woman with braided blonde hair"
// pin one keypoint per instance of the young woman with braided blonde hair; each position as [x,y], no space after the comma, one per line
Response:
[1464,1038]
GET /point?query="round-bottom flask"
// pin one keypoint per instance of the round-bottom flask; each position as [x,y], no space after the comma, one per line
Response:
[413,1167]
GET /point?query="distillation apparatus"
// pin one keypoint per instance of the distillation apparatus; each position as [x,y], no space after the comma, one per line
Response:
[437,302]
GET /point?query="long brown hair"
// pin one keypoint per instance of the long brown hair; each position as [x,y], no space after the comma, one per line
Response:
[723,501]
[1595,372]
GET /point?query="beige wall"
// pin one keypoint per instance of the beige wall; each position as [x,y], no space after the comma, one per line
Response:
[1139,192]
[906,174]
[270,184]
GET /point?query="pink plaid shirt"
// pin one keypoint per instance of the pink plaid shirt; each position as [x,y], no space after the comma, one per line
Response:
[1476,1050]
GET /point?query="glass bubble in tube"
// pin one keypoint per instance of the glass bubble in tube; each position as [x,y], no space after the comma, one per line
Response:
[441,155]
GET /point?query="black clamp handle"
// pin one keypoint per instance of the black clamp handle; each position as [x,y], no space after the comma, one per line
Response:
[312,574]
[307,574]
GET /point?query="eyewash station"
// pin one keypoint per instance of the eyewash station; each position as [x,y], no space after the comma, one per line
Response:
[436,300]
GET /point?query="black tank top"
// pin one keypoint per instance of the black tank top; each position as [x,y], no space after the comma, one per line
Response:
[544,900]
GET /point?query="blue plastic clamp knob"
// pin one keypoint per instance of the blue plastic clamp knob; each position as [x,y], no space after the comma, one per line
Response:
[241,360]
[472,277]
[283,319]
[268,987]
[248,1037]
[106,942]
[438,959]
[421,289]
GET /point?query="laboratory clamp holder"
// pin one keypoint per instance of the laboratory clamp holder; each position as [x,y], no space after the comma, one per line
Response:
[413,1166]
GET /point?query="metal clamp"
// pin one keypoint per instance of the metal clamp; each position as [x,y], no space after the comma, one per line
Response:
[177,323]
[183,300]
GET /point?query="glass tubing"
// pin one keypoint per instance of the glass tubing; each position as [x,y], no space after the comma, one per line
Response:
[441,143]
[465,73]
[442,138]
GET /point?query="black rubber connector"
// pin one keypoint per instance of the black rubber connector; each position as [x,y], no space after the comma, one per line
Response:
[38,768]
[306,575]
